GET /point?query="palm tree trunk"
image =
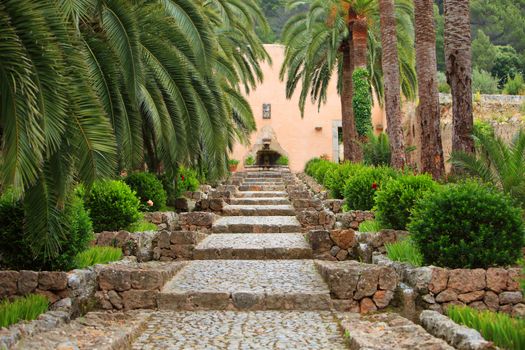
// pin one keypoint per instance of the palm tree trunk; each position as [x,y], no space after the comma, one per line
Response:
[390,64]
[458,56]
[359,41]
[428,111]
[351,149]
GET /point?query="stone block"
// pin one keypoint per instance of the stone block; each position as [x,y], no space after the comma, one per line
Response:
[183,251]
[367,306]
[163,239]
[446,296]
[368,282]
[510,298]
[466,280]
[382,298]
[8,283]
[497,279]
[52,280]
[202,219]
[345,239]
[471,297]
[513,283]
[111,278]
[186,237]
[319,240]
[27,282]
[146,279]
[139,299]
[491,299]
[439,280]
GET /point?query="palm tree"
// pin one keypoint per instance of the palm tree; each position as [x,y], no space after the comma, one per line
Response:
[496,162]
[428,111]
[158,80]
[335,37]
[390,64]
[458,57]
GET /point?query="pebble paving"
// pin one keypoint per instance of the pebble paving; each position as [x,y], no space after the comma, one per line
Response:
[257,224]
[264,276]
[254,241]
[230,330]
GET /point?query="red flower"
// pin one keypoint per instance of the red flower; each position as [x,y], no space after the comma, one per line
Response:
[182,177]
[374,186]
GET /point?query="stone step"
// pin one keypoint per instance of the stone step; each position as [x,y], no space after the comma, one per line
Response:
[258,210]
[263,175]
[262,183]
[260,201]
[262,188]
[246,285]
[387,331]
[253,246]
[256,224]
[221,330]
[261,194]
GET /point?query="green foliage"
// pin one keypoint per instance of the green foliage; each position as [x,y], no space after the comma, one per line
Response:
[515,86]
[362,102]
[506,332]
[467,225]
[233,162]
[507,64]
[18,250]
[282,160]
[483,82]
[319,168]
[360,190]
[142,226]
[147,187]
[404,251]
[112,206]
[336,177]
[376,151]
[249,160]
[370,226]
[187,181]
[497,162]
[23,308]
[442,83]
[483,53]
[394,203]
[97,255]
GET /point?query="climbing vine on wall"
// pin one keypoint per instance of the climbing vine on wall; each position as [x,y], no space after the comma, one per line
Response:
[362,101]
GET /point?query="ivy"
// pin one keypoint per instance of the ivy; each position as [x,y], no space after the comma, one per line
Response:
[362,101]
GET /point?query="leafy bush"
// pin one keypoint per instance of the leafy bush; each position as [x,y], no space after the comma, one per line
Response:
[515,86]
[318,168]
[97,255]
[370,226]
[377,150]
[233,162]
[147,188]
[176,186]
[483,82]
[467,225]
[393,204]
[112,206]
[142,226]
[18,250]
[442,83]
[336,177]
[282,160]
[23,308]
[362,101]
[404,251]
[506,332]
[249,160]
[359,190]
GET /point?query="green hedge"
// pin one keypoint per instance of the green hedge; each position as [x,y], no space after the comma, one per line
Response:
[467,225]
[147,188]
[360,189]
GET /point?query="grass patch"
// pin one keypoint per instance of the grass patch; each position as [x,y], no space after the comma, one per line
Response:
[24,308]
[370,226]
[97,255]
[505,331]
[142,226]
[404,251]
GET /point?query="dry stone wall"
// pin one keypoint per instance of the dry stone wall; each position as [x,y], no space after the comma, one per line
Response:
[139,244]
[177,245]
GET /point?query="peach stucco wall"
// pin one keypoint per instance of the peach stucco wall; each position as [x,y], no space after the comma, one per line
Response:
[301,138]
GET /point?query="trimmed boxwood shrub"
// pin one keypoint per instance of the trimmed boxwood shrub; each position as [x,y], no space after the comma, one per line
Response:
[359,190]
[147,187]
[467,225]
[16,247]
[112,206]
[336,177]
[393,204]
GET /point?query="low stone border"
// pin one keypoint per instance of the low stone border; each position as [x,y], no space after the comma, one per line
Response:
[139,244]
[313,185]
[134,286]
[359,287]
[460,337]
[197,221]
[352,219]
[495,289]
[165,220]
[176,245]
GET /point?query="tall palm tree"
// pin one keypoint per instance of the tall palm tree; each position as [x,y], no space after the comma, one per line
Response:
[335,37]
[428,110]
[458,57]
[159,80]
[390,64]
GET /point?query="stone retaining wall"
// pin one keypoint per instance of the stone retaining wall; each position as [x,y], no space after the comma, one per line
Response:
[176,245]
[347,244]
[197,221]
[359,287]
[352,219]
[313,185]
[495,289]
[134,286]
[139,244]
[164,220]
